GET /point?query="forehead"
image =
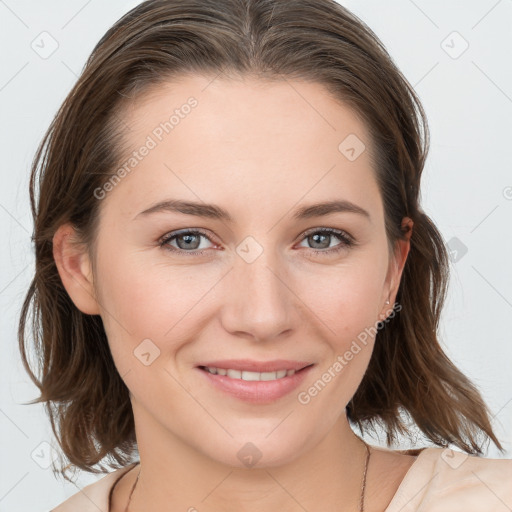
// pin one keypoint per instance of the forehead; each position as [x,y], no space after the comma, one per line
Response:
[230,108]
[245,142]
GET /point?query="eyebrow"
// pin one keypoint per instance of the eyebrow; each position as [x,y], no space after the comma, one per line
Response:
[216,212]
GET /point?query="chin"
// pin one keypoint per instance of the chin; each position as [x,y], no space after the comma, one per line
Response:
[261,450]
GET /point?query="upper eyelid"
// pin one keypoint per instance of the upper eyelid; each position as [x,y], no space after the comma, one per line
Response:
[327,229]
[174,234]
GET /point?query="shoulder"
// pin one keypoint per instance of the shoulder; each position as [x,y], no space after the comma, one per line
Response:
[447,480]
[94,497]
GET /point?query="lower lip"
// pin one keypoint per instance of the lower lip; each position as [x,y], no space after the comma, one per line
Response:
[257,392]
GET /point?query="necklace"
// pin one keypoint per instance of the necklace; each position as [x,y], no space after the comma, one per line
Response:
[363,485]
[131,492]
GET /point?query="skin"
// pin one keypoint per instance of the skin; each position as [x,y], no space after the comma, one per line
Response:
[259,150]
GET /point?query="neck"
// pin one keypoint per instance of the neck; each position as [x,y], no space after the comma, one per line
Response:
[176,476]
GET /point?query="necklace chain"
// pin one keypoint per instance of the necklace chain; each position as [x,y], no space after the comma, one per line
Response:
[131,492]
[363,485]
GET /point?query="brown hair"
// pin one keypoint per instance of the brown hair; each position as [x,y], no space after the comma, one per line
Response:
[85,397]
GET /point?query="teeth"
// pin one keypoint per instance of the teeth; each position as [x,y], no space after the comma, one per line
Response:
[234,374]
[252,376]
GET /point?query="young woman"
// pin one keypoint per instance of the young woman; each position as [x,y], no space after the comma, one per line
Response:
[233,269]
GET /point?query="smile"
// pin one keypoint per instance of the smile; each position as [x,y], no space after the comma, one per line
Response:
[255,387]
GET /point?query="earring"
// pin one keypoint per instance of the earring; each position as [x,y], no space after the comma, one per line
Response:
[387,302]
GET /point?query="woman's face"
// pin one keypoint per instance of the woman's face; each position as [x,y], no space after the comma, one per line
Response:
[261,282]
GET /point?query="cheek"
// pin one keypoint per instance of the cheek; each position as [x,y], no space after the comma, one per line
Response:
[347,304]
[346,298]
[142,299]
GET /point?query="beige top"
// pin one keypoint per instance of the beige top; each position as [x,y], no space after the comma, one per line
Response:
[439,480]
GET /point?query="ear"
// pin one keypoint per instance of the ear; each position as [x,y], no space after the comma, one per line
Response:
[396,267]
[75,270]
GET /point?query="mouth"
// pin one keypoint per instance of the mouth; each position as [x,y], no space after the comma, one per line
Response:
[241,380]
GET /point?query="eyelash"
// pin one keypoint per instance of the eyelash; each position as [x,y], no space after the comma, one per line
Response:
[346,239]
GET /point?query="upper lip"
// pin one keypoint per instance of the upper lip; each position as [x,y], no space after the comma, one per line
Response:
[257,366]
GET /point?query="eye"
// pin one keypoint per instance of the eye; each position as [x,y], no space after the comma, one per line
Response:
[321,238]
[185,239]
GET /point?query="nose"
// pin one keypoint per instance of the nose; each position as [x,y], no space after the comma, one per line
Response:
[258,299]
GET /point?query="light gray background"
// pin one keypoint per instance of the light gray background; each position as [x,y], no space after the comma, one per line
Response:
[467,188]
